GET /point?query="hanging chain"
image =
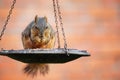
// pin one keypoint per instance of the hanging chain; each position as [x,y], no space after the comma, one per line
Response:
[56,21]
[8,18]
[61,24]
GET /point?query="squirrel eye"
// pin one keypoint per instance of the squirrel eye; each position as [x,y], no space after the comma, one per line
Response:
[35,27]
[46,27]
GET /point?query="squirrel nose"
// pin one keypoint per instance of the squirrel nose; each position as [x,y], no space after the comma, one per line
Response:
[41,35]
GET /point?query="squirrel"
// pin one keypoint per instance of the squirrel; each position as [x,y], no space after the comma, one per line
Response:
[38,34]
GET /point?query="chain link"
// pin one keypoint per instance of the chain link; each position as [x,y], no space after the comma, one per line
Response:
[61,24]
[56,7]
[8,18]
[56,21]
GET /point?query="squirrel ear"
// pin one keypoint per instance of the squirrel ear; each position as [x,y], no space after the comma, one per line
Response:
[36,19]
[45,18]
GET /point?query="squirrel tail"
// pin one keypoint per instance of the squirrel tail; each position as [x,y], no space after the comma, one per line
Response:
[33,69]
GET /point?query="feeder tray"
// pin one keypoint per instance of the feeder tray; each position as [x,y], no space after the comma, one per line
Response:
[44,55]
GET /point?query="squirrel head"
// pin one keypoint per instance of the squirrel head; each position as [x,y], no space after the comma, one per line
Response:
[41,29]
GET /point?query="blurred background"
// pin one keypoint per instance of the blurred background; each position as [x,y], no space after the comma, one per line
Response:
[92,25]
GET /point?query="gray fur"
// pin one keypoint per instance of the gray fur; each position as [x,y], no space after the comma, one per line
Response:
[41,25]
